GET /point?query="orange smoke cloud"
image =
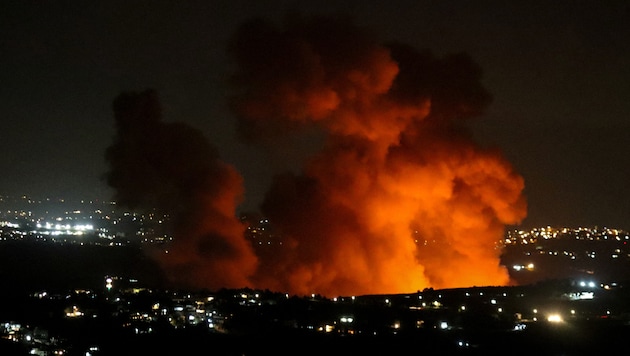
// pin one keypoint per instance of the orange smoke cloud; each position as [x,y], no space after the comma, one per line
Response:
[172,168]
[399,197]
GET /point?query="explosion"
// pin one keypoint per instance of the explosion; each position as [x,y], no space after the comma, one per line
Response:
[398,197]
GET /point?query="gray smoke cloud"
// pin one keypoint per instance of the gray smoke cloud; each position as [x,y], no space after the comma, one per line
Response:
[171,167]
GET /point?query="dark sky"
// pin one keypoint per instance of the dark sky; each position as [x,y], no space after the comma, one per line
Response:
[558,71]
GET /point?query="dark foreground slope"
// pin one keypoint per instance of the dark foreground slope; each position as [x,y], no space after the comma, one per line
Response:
[33,266]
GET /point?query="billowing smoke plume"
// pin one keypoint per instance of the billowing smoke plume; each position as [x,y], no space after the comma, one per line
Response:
[172,168]
[399,197]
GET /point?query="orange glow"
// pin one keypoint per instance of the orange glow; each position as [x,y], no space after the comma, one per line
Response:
[399,197]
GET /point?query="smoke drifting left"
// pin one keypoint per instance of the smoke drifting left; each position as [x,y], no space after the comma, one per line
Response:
[171,167]
[397,198]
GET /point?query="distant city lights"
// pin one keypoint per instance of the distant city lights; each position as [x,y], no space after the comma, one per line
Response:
[554,318]
[63,229]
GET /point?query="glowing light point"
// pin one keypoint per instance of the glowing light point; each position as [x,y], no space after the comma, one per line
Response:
[109,283]
[554,318]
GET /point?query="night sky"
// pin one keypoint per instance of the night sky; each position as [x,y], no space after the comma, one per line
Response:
[558,73]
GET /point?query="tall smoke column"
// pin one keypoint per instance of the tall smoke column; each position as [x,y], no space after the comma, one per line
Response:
[399,197]
[172,168]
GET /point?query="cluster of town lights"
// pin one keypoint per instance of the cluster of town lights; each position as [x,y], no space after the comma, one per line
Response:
[64,229]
